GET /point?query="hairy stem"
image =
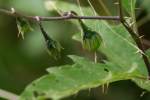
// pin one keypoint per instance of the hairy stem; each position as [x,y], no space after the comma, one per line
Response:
[135,37]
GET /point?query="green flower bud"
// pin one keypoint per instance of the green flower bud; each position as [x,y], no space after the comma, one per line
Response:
[53,47]
[91,39]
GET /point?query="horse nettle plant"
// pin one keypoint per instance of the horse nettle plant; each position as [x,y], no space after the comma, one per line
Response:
[66,80]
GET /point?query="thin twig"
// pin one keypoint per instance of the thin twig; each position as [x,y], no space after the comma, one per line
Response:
[7,95]
[135,37]
[59,17]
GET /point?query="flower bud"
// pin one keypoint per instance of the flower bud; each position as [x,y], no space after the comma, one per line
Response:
[91,39]
[53,47]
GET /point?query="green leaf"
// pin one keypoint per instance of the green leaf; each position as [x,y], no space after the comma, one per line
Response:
[66,80]
[23,26]
[129,6]
[34,7]
[67,6]
[148,53]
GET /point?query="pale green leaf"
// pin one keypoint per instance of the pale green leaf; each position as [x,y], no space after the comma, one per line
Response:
[67,80]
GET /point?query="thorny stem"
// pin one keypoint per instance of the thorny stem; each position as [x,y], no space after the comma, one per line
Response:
[135,37]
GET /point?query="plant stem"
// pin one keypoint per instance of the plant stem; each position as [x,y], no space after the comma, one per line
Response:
[135,37]
[120,11]
[58,17]
[7,95]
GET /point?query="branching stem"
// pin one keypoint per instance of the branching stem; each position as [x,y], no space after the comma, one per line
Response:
[135,37]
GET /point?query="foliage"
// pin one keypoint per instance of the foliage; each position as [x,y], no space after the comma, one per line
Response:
[118,56]
[123,61]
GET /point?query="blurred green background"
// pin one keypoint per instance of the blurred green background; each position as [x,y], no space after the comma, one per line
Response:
[22,61]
